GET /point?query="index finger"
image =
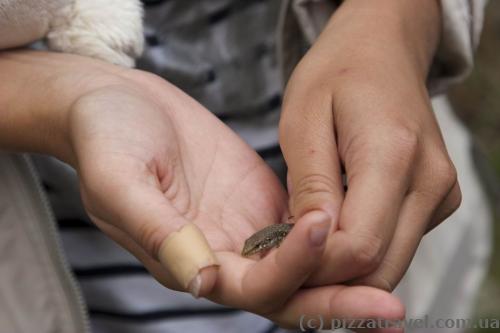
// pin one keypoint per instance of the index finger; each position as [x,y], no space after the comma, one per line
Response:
[378,178]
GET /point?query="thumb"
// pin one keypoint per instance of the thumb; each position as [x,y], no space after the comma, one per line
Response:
[307,139]
[157,231]
[188,256]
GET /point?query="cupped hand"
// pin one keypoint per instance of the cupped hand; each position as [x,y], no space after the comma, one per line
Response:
[151,159]
[357,104]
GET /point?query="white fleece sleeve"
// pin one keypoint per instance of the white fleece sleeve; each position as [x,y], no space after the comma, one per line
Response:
[462,22]
[110,30]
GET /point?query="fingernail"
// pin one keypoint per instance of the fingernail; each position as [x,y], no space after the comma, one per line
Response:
[195,285]
[320,226]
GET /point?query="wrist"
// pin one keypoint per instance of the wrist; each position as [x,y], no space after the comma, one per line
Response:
[392,31]
[36,100]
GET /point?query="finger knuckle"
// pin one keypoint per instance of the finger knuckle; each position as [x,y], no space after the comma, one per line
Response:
[367,253]
[440,179]
[392,147]
[445,173]
[310,187]
[315,183]
[402,142]
[405,135]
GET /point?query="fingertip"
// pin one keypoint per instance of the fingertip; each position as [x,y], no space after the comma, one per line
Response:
[391,306]
[318,223]
[301,252]
[368,302]
[187,254]
[398,308]
[203,283]
[386,305]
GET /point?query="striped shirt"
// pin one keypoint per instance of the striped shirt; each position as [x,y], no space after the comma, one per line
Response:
[222,53]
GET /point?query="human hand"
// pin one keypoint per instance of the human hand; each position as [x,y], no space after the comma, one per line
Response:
[121,130]
[152,160]
[357,102]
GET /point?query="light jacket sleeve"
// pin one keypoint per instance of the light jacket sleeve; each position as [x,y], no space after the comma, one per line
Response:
[462,22]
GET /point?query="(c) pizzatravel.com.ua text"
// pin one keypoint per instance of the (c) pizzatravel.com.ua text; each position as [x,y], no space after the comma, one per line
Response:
[308,322]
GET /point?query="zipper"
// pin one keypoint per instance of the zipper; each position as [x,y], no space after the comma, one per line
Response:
[78,309]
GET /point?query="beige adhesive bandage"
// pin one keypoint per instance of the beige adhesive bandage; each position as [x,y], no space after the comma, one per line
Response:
[185,252]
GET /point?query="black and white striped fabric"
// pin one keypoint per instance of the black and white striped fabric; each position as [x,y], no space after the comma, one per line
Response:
[221,52]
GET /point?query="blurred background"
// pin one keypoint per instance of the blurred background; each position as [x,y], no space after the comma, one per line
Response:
[477,102]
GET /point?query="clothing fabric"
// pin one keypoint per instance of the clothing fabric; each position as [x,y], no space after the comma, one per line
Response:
[108,30]
[462,23]
[221,52]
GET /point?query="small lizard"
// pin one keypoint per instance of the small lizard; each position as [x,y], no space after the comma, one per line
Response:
[266,238]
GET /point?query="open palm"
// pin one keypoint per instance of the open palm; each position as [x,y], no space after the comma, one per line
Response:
[151,159]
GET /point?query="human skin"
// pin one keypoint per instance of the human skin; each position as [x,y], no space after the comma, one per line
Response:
[150,159]
[358,102]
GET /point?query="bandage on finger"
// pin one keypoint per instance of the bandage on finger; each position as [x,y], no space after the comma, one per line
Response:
[185,253]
